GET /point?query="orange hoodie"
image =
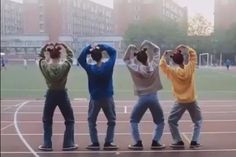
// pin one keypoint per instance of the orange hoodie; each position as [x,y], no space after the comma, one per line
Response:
[183,80]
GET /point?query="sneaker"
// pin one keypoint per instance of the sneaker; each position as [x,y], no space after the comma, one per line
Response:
[137,146]
[70,148]
[157,145]
[110,146]
[179,144]
[45,148]
[93,146]
[194,145]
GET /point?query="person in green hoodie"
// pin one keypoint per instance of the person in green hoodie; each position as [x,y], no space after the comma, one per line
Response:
[55,74]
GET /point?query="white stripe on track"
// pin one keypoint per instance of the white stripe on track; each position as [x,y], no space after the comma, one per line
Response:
[18,130]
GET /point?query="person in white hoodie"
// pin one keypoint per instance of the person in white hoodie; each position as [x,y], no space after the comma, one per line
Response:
[144,69]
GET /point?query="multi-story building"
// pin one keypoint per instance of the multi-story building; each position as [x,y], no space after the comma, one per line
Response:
[127,12]
[11,17]
[224,9]
[67,17]
[75,22]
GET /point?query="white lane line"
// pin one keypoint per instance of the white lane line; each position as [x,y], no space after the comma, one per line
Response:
[123,133]
[125,109]
[7,126]
[207,112]
[128,106]
[127,151]
[18,130]
[186,138]
[10,106]
[121,121]
[172,101]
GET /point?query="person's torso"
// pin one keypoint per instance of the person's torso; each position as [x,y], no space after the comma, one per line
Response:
[100,81]
[146,80]
[55,75]
[183,86]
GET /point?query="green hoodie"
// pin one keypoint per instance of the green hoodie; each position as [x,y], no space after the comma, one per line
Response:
[56,74]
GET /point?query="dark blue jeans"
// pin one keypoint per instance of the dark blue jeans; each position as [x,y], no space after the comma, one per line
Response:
[108,107]
[56,98]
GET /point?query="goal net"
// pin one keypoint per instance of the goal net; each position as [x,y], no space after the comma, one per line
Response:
[204,60]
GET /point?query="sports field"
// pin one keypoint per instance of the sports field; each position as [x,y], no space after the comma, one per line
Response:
[22,101]
[17,82]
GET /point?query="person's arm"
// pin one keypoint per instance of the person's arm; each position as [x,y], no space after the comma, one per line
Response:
[153,52]
[82,59]
[129,54]
[129,58]
[69,54]
[165,67]
[111,52]
[191,66]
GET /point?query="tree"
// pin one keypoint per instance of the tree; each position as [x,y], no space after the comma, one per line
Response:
[199,26]
[166,34]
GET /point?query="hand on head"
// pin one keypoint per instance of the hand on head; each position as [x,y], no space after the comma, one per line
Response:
[95,47]
[181,48]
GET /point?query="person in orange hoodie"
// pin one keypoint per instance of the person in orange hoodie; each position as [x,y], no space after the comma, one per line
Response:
[183,87]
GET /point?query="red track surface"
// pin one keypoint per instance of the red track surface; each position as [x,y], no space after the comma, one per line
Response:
[218,133]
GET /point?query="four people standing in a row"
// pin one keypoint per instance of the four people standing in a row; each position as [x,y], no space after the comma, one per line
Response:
[143,64]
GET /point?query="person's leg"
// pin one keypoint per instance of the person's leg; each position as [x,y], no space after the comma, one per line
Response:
[94,109]
[175,115]
[196,116]
[158,119]
[67,112]
[49,108]
[137,113]
[108,107]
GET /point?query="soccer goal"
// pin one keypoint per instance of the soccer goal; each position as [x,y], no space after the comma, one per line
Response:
[203,59]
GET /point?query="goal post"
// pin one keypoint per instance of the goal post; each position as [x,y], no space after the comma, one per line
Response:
[204,59]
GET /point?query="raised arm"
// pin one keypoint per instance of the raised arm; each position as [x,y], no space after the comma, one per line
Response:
[153,52]
[129,54]
[43,50]
[191,66]
[165,67]
[111,52]
[83,56]
[69,54]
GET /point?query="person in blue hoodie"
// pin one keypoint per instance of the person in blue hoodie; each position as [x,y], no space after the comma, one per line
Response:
[101,92]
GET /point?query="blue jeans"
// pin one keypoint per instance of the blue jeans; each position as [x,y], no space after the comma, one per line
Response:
[108,107]
[56,98]
[145,102]
[177,112]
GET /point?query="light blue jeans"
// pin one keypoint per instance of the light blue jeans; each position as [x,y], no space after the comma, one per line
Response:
[108,107]
[175,115]
[145,102]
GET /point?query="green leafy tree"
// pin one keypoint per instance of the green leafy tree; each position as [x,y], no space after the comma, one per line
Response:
[166,34]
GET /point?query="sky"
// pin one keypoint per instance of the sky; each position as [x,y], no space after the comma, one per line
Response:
[204,7]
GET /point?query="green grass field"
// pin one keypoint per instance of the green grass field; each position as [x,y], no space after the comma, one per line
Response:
[17,83]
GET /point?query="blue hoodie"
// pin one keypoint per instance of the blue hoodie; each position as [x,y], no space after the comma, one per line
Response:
[99,78]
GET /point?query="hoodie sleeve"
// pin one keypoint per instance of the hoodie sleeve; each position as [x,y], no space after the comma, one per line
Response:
[166,68]
[154,53]
[83,56]
[42,62]
[112,55]
[129,58]
[69,60]
[191,66]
